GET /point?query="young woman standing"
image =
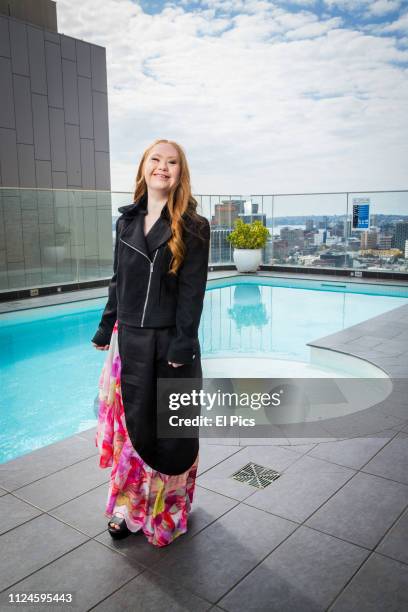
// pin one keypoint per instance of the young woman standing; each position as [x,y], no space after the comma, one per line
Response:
[150,328]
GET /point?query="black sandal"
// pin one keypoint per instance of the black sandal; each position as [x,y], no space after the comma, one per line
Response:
[123,530]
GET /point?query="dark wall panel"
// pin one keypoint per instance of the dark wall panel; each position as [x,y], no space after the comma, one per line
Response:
[22,105]
[19,51]
[57,138]
[4,38]
[8,158]
[59,180]
[100,115]
[54,74]
[98,63]
[85,107]
[26,165]
[43,173]
[6,98]
[37,60]
[68,48]
[74,178]
[88,163]
[70,86]
[41,127]
[83,51]
[102,170]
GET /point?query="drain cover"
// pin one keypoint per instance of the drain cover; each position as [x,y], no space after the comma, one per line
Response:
[256,475]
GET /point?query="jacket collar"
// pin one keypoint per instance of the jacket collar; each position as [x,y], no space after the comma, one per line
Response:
[133,233]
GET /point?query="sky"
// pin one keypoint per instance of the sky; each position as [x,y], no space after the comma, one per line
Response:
[263,96]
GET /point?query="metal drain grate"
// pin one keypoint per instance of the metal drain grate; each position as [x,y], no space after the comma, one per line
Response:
[256,475]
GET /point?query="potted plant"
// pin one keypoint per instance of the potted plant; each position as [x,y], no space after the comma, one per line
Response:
[248,240]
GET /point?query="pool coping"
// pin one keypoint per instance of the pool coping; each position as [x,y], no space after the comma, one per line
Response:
[100,292]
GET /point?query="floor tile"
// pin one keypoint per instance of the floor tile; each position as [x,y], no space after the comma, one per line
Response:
[301,489]
[304,574]
[64,485]
[135,548]
[380,585]
[32,545]
[207,507]
[151,593]
[90,572]
[211,454]
[44,461]
[392,460]
[14,512]
[395,543]
[353,453]
[214,560]
[86,512]
[363,510]
[219,478]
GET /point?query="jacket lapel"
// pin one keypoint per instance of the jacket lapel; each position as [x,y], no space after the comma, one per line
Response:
[133,233]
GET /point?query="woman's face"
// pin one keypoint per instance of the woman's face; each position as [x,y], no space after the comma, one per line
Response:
[162,167]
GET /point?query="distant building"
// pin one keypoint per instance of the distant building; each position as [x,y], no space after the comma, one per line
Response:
[385,241]
[320,237]
[226,213]
[221,249]
[401,235]
[381,252]
[368,239]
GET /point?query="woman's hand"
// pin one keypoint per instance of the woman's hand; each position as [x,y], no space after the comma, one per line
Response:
[101,348]
[175,365]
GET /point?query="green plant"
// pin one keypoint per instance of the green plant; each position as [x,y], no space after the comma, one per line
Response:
[248,235]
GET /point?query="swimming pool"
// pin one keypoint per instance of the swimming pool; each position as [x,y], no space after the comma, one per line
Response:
[50,371]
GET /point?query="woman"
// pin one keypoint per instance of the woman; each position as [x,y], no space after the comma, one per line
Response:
[150,327]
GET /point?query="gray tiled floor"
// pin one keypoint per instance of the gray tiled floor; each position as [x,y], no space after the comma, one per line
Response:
[330,534]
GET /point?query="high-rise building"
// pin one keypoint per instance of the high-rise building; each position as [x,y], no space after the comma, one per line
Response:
[221,249]
[226,213]
[401,235]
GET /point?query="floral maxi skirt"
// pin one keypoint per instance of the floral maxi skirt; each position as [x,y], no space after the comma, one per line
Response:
[156,503]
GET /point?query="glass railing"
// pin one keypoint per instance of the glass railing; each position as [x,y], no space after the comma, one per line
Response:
[53,237]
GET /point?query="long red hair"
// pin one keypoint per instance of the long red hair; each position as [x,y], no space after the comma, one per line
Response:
[180,202]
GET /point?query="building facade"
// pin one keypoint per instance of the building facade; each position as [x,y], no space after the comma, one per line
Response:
[55,201]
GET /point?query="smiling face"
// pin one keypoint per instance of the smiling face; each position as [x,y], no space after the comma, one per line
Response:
[162,168]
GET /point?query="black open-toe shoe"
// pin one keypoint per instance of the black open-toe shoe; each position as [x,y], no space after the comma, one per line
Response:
[123,530]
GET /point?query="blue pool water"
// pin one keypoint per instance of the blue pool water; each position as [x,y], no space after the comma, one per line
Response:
[49,371]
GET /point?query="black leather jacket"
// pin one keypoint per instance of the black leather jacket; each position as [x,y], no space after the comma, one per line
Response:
[143,294]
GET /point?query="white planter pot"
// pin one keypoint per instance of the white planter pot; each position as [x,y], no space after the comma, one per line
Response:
[247,260]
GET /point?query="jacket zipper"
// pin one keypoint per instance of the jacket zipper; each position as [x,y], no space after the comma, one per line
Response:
[150,276]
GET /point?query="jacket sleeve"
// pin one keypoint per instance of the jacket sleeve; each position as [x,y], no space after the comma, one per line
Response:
[107,322]
[192,280]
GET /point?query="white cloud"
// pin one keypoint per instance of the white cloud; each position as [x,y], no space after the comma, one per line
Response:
[382,7]
[375,8]
[266,101]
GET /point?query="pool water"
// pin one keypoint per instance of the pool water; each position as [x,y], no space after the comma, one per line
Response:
[49,370]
